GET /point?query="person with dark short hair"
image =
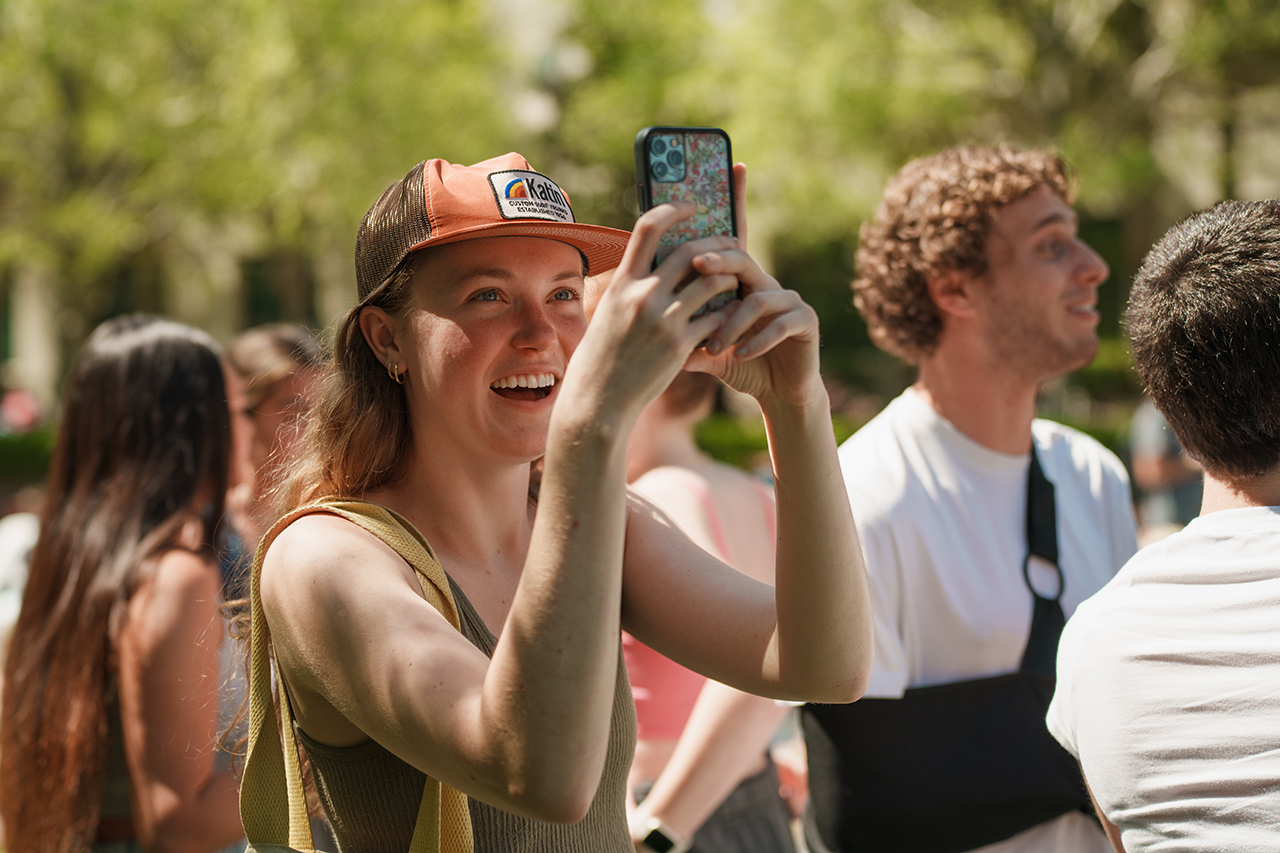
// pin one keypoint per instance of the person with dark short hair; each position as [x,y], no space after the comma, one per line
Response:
[1167,678]
[972,270]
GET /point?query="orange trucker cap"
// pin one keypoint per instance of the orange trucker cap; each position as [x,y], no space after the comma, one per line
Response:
[439,202]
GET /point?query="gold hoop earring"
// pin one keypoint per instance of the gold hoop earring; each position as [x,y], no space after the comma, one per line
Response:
[393,370]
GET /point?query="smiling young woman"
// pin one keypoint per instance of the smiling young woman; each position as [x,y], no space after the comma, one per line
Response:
[467,359]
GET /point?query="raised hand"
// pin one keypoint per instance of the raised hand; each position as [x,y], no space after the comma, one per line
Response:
[643,327]
[768,347]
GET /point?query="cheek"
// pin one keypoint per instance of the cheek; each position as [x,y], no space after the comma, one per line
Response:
[570,328]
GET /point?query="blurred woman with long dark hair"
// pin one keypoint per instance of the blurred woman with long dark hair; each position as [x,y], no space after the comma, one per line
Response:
[110,706]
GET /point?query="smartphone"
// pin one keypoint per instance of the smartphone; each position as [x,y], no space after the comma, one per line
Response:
[688,164]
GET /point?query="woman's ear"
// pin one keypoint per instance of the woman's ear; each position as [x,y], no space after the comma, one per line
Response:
[952,292]
[379,330]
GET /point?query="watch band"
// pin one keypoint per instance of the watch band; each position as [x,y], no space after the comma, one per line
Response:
[657,837]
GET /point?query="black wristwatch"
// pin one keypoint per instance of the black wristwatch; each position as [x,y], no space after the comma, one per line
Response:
[660,838]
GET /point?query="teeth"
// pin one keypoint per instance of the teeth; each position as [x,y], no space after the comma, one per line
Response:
[532,380]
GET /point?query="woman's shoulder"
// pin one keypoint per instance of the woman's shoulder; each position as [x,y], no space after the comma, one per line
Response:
[665,476]
[185,573]
[183,590]
[316,552]
[723,475]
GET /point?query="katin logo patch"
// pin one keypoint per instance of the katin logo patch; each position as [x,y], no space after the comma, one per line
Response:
[528,195]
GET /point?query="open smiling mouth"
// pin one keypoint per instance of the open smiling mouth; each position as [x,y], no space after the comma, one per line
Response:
[530,387]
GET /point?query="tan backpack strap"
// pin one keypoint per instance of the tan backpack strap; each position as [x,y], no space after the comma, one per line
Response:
[444,818]
[270,814]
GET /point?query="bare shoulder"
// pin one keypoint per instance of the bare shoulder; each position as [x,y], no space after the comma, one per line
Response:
[353,636]
[180,581]
[729,477]
[325,570]
[178,600]
[320,555]
[186,574]
[675,489]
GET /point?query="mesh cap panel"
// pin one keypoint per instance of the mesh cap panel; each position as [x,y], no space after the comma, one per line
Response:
[396,222]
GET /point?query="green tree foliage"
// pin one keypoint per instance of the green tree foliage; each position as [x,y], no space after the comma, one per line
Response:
[163,128]
[826,99]
[148,142]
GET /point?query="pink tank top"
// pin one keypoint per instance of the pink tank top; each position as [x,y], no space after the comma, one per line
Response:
[665,691]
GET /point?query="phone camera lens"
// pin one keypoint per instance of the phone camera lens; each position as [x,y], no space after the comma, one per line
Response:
[659,169]
[658,147]
[675,158]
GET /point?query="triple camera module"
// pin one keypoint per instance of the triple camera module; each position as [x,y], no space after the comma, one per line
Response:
[666,158]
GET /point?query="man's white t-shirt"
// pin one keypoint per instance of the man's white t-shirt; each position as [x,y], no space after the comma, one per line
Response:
[943,525]
[1169,688]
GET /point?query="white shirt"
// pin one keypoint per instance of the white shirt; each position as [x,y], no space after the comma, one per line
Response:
[1169,689]
[943,526]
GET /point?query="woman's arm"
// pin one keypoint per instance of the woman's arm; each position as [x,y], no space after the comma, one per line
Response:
[728,731]
[811,639]
[721,744]
[169,696]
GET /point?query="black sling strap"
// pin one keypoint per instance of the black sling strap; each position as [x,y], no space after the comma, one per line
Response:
[956,766]
[1047,619]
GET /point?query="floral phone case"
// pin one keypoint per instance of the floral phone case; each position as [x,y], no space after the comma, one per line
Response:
[688,164]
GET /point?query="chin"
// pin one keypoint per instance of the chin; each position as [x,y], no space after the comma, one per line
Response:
[1055,359]
[1086,352]
[524,449]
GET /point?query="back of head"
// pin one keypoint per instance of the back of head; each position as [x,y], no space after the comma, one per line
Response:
[145,425]
[266,355]
[142,449]
[1204,319]
[935,214]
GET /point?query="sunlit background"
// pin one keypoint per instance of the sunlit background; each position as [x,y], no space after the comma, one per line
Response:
[211,160]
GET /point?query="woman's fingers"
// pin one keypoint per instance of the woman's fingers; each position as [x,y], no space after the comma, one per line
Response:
[783,313]
[637,259]
[695,295]
[793,324]
[736,262]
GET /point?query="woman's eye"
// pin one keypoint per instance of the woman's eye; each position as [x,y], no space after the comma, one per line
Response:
[487,296]
[566,295]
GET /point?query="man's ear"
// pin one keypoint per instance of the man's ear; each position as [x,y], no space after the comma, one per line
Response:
[379,330]
[952,292]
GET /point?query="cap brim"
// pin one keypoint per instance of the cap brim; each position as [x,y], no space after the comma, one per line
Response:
[603,246]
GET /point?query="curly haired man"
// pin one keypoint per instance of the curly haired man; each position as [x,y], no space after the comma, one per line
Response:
[974,272]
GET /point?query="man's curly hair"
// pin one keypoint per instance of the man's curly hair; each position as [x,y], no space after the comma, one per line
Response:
[935,215]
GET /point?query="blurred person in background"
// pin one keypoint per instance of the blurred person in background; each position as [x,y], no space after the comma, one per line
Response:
[973,271]
[110,713]
[280,366]
[1168,482]
[702,767]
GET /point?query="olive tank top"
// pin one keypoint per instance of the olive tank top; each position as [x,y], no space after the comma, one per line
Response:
[371,797]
